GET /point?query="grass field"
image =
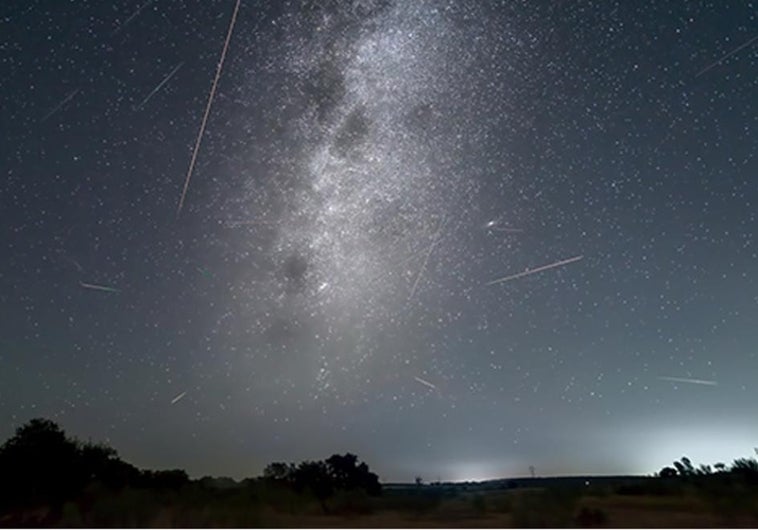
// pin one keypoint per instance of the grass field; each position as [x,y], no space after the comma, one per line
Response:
[422,507]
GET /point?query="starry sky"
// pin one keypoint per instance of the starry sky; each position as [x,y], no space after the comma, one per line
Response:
[458,238]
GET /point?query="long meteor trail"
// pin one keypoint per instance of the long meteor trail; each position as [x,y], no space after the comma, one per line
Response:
[208,108]
[688,380]
[535,271]
[716,63]
[97,287]
[160,85]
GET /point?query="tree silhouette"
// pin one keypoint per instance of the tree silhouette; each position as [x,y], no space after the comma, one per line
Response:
[101,462]
[347,474]
[314,477]
[170,479]
[324,478]
[39,464]
[684,467]
[704,469]
[747,469]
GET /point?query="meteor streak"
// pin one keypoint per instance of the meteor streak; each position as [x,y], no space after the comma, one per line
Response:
[426,258]
[58,107]
[492,225]
[208,108]
[177,398]
[535,271]
[160,85]
[131,17]
[688,380]
[423,382]
[96,287]
[715,64]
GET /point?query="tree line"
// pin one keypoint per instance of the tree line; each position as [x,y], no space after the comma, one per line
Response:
[41,465]
[324,478]
[744,468]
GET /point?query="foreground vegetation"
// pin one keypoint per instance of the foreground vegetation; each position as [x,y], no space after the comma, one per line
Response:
[49,479]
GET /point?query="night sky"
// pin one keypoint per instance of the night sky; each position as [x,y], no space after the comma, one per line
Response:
[369,171]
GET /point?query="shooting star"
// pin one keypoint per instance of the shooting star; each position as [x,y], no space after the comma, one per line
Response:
[160,85]
[76,264]
[424,382]
[204,272]
[177,398]
[99,287]
[715,64]
[535,271]
[426,258]
[58,107]
[208,108]
[72,261]
[688,380]
[492,225]
[131,17]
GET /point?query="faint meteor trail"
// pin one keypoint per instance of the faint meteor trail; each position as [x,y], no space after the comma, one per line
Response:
[248,222]
[688,380]
[426,258]
[424,382]
[208,108]
[131,17]
[177,398]
[507,230]
[204,272]
[96,287]
[160,85]
[535,271]
[737,49]
[68,98]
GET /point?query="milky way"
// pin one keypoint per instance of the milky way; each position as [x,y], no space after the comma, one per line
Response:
[377,202]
